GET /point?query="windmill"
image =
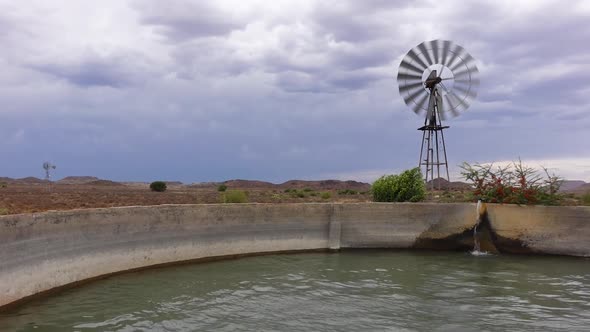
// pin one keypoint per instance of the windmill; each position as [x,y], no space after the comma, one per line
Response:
[438,80]
[48,167]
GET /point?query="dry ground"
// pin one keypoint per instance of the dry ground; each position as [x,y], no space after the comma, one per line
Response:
[26,198]
[38,196]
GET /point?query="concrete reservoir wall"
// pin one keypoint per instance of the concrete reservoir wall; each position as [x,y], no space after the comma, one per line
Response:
[41,252]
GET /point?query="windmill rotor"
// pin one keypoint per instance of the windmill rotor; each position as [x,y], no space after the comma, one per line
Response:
[438,80]
[455,68]
[47,166]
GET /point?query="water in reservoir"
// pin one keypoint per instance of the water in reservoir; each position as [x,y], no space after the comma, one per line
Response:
[361,290]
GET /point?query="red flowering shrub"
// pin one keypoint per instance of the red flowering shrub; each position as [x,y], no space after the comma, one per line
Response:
[512,184]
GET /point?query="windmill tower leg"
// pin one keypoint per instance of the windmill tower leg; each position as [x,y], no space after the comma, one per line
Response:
[430,131]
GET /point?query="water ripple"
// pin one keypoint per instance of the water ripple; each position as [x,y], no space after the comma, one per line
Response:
[349,291]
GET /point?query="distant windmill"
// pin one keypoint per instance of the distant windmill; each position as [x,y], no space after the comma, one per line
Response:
[48,167]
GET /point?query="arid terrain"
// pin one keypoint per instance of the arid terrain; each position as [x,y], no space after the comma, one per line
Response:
[31,194]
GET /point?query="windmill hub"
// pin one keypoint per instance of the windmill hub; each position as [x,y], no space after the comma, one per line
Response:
[438,80]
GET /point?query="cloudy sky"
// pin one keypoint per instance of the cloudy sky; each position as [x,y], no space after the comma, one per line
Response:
[275,90]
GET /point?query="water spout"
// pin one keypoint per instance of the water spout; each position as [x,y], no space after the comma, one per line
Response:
[480,210]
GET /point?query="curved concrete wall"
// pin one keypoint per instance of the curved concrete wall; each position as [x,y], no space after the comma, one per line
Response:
[40,252]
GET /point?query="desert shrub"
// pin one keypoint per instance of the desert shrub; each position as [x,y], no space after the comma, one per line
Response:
[347,192]
[3,185]
[307,190]
[222,188]
[300,194]
[235,196]
[289,190]
[159,186]
[326,195]
[313,194]
[407,186]
[3,211]
[586,198]
[512,184]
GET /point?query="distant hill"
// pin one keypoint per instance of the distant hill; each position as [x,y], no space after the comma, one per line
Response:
[585,188]
[291,184]
[103,183]
[77,179]
[30,180]
[326,184]
[572,185]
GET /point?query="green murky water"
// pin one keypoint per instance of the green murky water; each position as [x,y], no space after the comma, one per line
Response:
[348,291]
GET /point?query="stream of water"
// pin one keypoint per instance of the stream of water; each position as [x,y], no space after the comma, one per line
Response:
[361,290]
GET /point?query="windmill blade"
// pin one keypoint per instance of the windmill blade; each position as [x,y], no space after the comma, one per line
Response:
[445,51]
[410,86]
[420,104]
[424,50]
[455,52]
[466,60]
[414,56]
[460,101]
[450,108]
[468,92]
[409,99]
[465,72]
[441,106]
[410,67]
[435,47]
[413,77]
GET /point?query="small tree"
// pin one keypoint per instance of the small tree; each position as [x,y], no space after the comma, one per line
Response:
[159,186]
[222,188]
[407,186]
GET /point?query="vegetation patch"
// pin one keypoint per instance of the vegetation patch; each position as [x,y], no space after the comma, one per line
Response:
[158,186]
[222,188]
[347,192]
[405,187]
[512,184]
[326,195]
[235,196]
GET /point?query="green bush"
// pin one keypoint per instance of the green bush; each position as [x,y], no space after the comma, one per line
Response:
[586,198]
[307,190]
[3,211]
[407,186]
[300,194]
[159,186]
[326,195]
[3,185]
[290,190]
[348,192]
[235,196]
[222,188]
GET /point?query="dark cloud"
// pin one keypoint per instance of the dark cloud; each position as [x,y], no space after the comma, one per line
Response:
[185,20]
[94,70]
